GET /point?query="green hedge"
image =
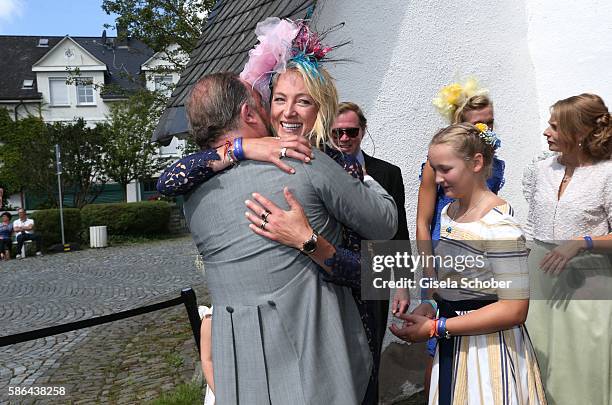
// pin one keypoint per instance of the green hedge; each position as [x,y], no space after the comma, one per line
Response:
[137,218]
[47,224]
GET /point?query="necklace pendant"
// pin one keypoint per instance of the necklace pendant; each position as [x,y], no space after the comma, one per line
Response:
[449,229]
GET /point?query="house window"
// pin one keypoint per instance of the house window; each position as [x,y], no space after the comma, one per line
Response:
[28,84]
[58,91]
[149,186]
[85,91]
[164,84]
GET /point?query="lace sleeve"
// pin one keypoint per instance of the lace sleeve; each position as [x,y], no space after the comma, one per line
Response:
[608,201]
[530,176]
[345,268]
[183,175]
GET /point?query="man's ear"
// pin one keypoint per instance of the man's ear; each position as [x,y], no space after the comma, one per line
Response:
[248,114]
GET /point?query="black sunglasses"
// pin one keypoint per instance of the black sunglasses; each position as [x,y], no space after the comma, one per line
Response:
[350,132]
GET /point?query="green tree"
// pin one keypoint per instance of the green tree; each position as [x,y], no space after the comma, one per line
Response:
[129,154]
[28,158]
[161,23]
[81,148]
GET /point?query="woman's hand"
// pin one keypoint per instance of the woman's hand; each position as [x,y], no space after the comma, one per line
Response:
[555,261]
[416,328]
[401,301]
[269,149]
[291,228]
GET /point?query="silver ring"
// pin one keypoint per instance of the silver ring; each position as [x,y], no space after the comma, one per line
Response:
[263,225]
[283,153]
[264,215]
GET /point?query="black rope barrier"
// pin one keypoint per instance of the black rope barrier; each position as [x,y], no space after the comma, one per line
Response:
[188,298]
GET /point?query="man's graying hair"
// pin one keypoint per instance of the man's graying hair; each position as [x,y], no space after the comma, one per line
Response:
[213,106]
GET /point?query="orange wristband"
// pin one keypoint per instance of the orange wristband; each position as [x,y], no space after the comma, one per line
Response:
[433,328]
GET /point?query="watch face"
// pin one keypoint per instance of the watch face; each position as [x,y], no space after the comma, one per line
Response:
[309,246]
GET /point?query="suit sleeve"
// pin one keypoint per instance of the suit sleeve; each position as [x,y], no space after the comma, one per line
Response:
[365,208]
[399,195]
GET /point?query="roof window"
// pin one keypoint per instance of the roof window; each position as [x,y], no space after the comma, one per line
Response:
[28,84]
[43,42]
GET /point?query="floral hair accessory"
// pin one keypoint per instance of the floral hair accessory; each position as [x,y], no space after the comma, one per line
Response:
[282,41]
[488,135]
[451,97]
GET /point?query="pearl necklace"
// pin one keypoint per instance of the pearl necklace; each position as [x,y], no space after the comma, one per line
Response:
[449,228]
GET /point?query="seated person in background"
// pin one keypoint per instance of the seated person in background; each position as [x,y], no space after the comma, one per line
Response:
[6,231]
[24,227]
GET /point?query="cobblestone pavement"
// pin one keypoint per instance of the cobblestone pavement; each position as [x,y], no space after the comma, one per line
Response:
[127,361]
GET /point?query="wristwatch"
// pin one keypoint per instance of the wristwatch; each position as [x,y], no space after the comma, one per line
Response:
[310,245]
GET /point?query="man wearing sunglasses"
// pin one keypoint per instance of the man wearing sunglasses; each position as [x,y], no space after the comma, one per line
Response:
[348,131]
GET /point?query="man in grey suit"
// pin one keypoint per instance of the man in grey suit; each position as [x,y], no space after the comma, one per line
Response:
[281,335]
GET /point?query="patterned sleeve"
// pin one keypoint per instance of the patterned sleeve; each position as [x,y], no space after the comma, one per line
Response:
[345,264]
[507,255]
[530,176]
[345,268]
[608,198]
[183,175]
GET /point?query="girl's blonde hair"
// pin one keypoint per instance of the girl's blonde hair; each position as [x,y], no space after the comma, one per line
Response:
[466,140]
[322,89]
[477,102]
[583,121]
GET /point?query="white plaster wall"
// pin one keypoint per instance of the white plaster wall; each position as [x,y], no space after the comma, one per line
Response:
[91,113]
[571,49]
[403,52]
[68,53]
[23,110]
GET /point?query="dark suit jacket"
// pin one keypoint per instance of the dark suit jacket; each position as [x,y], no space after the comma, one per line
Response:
[390,177]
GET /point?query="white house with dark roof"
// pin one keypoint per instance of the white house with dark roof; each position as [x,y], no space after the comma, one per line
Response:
[64,78]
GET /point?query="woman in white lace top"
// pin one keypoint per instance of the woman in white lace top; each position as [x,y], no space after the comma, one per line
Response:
[569,222]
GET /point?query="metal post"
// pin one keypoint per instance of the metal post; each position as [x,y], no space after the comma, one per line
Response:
[191,304]
[59,186]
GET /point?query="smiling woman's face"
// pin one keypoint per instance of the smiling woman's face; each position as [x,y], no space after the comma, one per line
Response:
[293,110]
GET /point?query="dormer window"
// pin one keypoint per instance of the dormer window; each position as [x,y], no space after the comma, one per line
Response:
[43,43]
[27,84]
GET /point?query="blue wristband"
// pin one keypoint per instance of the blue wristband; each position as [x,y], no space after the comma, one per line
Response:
[589,242]
[238,151]
[441,327]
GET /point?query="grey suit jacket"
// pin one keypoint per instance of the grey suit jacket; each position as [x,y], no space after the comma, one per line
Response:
[281,335]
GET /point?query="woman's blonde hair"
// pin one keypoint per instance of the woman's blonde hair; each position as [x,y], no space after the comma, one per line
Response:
[477,102]
[466,140]
[584,121]
[322,89]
